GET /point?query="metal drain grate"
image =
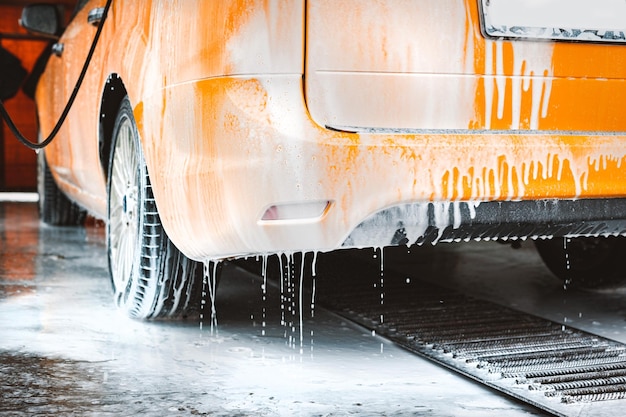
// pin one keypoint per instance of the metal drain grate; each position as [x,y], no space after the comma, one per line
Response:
[557,368]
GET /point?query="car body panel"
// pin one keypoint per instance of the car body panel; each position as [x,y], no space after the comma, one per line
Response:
[231,103]
[425,65]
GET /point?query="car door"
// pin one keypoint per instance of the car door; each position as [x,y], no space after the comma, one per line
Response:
[72,156]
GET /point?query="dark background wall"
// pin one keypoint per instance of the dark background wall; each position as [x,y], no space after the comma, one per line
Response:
[17,163]
[18,169]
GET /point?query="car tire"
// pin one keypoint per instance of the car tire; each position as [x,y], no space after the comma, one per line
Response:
[55,208]
[585,262]
[151,278]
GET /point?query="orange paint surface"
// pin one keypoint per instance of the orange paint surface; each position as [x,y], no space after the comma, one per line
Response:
[232,114]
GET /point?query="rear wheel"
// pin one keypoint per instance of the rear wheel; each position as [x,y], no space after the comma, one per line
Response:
[151,278]
[54,207]
[585,262]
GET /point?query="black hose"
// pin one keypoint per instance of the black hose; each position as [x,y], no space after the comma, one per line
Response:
[68,106]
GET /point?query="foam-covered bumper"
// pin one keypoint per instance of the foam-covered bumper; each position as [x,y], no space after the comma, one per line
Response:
[504,220]
[227,156]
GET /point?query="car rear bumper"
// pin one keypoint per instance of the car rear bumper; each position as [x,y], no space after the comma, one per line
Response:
[239,167]
[421,223]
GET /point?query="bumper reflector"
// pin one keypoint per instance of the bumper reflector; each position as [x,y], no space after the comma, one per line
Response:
[308,211]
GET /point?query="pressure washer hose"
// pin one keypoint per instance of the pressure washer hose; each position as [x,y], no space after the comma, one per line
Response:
[34,145]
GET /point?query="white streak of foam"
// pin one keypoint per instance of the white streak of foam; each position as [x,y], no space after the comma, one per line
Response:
[489,81]
[532,70]
[441,216]
[300,303]
[500,78]
[457,214]
[417,227]
[546,94]
[472,205]
[538,89]
[546,168]
[516,91]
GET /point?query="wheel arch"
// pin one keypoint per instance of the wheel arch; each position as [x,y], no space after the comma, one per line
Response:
[112,96]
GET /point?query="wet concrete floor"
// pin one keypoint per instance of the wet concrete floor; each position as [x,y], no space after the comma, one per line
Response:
[65,350]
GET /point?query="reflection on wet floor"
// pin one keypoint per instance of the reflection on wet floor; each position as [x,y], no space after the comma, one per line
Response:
[65,350]
[34,385]
[19,247]
[38,385]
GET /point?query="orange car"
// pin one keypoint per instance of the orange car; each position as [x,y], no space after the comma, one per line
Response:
[208,130]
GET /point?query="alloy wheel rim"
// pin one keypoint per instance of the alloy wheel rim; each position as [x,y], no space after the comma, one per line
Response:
[124,207]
